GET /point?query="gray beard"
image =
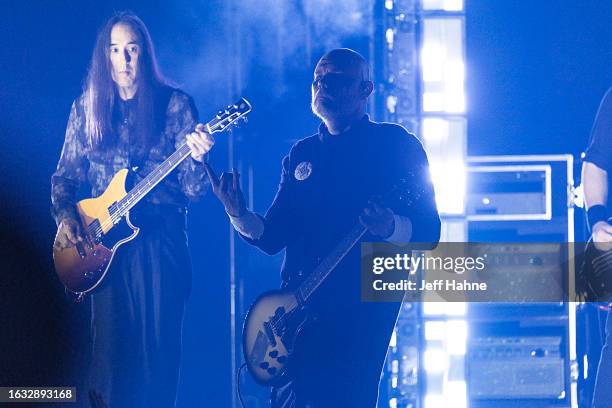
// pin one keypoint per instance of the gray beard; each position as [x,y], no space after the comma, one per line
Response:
[325,112]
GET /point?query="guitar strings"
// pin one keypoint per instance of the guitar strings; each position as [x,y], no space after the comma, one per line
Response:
[116,215]
[274,323]
[353,235]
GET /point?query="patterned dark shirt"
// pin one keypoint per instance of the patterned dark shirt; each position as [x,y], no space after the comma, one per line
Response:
[80,164]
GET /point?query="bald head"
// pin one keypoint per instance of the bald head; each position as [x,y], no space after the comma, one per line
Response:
[347,60]
[340,88]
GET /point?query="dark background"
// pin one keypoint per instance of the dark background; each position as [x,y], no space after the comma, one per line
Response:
[536,72]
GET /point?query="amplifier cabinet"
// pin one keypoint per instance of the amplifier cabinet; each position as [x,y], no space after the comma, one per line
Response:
[515,368]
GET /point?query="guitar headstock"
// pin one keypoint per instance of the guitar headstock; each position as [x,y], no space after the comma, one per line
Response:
[231,115]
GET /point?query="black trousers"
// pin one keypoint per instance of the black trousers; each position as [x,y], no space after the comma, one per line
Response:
[137,317]
[335,365]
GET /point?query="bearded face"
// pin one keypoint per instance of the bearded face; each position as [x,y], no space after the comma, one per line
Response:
[336,91]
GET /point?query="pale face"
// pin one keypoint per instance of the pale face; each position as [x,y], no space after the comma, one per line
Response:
[336,91]
[124,50]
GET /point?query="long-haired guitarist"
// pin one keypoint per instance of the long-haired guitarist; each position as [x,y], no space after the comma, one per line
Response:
[596,183]
[128,117]
[327,181]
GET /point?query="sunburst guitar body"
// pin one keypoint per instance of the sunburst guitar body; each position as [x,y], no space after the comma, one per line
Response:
[82,268]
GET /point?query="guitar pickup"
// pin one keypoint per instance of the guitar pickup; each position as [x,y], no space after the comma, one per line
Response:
[269,333]
[81,250]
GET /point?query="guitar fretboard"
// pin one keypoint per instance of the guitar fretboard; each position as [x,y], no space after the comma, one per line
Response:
[219,123]
[312,282]
[151,180]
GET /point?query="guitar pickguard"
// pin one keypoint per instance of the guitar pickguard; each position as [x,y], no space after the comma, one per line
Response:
[86,267]
[269,335]
[121,231]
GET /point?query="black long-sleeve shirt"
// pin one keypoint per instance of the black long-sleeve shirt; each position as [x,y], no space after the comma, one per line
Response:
[326,181]
[309,216]
[80,164]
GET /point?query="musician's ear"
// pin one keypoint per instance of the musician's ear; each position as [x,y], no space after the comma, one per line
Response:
[366,88]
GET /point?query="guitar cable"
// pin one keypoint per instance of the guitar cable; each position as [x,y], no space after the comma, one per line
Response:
[238,385]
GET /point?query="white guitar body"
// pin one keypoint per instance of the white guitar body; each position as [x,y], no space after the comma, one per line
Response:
[268,336]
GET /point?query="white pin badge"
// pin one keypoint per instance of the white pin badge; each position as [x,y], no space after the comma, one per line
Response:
[303,170]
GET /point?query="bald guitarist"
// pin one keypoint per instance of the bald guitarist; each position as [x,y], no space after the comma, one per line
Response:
[326,184]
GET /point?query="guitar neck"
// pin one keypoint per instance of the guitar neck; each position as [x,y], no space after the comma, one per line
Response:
[314,280]
[401,191]
[141,189]
[219,123]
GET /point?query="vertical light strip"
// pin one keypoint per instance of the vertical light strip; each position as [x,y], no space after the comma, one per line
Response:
[443,106]
[572,288]
[444,139]
[444,136]
[442,65]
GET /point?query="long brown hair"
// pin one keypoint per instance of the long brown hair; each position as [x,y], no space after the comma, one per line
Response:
[100,91]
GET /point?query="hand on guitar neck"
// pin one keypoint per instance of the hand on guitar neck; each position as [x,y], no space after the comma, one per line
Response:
[200,142]
[602,236]
[378,220]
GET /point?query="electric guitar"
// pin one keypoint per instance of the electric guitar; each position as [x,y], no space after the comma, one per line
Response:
[106,219]
[596,274]
[277,316]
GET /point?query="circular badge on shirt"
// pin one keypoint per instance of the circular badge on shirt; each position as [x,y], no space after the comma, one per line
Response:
[303,170]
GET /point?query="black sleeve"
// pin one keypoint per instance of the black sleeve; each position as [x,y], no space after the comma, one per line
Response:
[420,207]
[280,222]
[599,151]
